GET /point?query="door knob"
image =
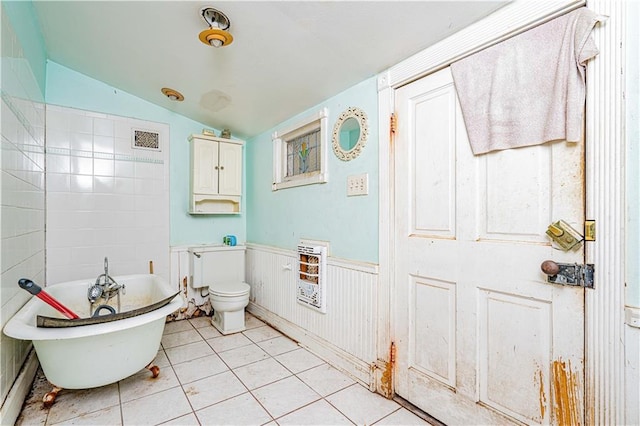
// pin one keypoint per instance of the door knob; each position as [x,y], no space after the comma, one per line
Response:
[550,267]
[568,273]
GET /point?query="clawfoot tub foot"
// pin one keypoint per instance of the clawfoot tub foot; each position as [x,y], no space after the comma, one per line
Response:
[50,397]
[155,370]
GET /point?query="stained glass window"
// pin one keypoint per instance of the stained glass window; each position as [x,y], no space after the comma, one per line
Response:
[303,154]
[300,152]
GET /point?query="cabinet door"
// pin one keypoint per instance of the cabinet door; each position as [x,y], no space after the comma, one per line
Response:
[205,167]
[230,165]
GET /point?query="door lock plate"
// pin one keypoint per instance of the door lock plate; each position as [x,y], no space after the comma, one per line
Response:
[589,230]
[569,273]
[564,235]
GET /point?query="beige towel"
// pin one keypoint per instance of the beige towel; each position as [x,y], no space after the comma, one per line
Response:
[529,89]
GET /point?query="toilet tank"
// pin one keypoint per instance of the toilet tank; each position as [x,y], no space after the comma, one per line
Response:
[216,264]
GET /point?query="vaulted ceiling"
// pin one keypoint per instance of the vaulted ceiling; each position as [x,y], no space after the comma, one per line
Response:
[286,57]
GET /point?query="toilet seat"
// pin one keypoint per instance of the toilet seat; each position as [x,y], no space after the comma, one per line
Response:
[229,289]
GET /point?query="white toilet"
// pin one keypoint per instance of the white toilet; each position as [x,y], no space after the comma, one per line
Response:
[221,269]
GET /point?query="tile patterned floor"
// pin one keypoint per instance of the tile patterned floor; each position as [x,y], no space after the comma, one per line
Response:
[256,377]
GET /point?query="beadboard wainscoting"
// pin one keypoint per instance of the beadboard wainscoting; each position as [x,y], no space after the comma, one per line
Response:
[346,335]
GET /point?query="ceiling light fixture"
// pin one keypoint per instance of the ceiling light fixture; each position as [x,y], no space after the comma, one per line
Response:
[216,35]
[174,95]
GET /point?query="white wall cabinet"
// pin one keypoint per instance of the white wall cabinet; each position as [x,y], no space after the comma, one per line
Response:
[216,175]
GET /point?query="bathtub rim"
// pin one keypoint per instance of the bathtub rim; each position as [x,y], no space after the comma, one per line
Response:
[22,325]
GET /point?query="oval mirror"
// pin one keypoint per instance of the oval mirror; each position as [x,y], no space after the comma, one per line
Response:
[350,134]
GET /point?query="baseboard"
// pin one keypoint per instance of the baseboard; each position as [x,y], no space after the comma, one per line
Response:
[336,357]
[13,403]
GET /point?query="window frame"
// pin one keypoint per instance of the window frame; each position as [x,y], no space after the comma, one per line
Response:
[281,137]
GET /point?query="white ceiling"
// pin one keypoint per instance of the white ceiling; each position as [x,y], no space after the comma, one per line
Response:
[286,57]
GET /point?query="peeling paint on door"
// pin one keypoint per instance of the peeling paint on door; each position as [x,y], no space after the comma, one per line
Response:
[543,395]
[387,375]
[567,403]
[386,381]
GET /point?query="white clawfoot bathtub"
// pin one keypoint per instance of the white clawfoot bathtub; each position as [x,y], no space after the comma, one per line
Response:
[95,355]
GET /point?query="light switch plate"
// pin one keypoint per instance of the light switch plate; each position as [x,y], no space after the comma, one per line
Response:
[358,185]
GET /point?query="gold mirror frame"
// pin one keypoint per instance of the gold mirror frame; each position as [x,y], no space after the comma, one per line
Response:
[360,116]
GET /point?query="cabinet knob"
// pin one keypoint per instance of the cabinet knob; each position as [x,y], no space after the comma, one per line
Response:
[216,167]
[221,167]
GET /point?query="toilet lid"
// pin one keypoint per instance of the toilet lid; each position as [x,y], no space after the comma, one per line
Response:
[230,289]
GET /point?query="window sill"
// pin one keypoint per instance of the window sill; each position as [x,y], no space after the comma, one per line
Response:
[319,178]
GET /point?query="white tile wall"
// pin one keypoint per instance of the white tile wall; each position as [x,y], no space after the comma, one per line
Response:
[22,210]
[104,198]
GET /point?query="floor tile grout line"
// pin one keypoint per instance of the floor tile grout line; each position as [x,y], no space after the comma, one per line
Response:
[273,338]
[181,385]
[229,370]
[270,383]
[339,390]
[120,402]
[255,344]
[79,415]
[238,378]
[302,371]
[320,398]
[149,394]
[73,391]
[165,333]
[250,391]
[226,350]
[340,411]
[278,361]
[220,402]
[152,393]
[327,401]
[193,411]
[273,419]
[384,417]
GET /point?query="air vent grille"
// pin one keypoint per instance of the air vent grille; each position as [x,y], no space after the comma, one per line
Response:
[146,140]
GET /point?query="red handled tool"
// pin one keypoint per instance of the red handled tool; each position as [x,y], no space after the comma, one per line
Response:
[35,289]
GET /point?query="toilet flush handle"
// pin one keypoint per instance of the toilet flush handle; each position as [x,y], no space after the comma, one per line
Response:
[198,255]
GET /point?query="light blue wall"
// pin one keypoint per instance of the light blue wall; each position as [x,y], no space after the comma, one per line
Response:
[633,155]
[321,211]
[29,65]
[69,88]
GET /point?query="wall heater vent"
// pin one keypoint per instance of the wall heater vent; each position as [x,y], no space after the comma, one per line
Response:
[311,288]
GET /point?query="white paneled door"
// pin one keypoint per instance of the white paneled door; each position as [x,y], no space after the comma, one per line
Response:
[481,338]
